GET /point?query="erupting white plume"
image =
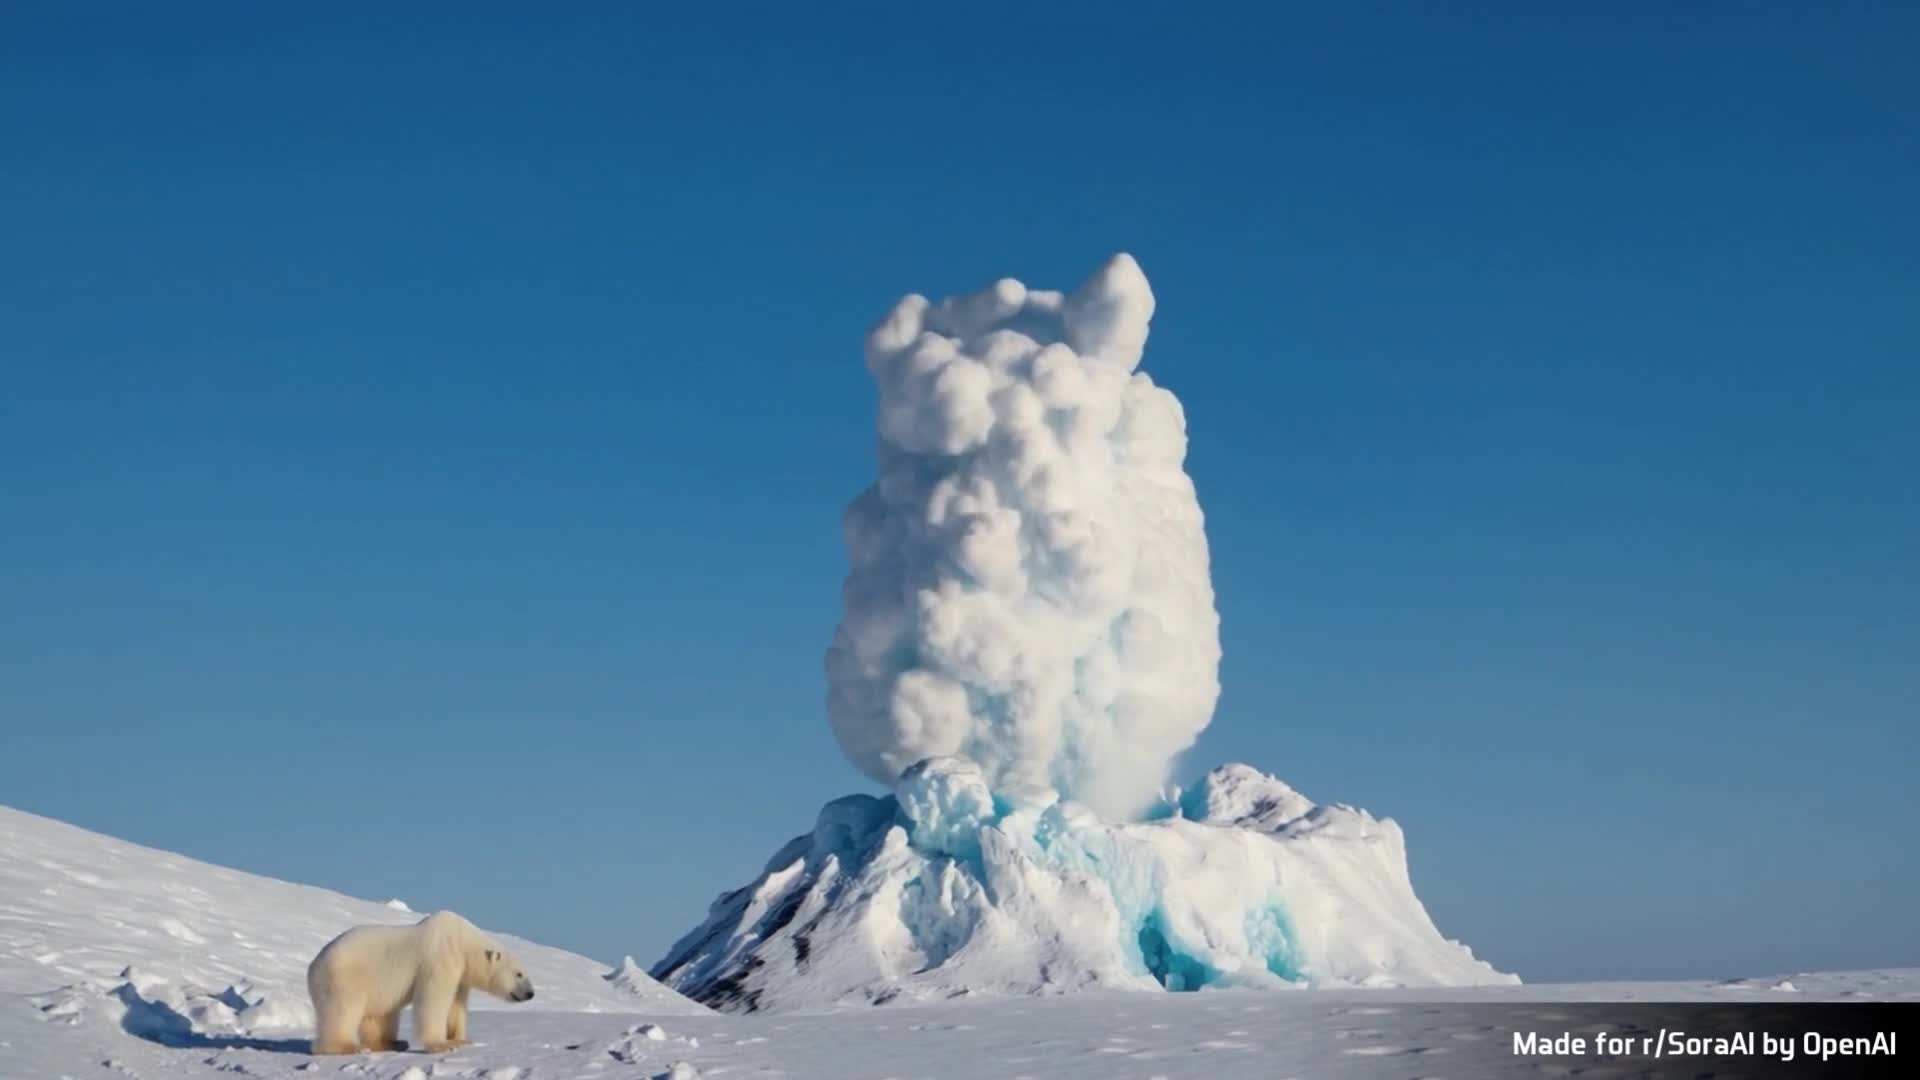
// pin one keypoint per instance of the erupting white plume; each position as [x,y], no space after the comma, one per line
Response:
[1028,585]
[1029,642]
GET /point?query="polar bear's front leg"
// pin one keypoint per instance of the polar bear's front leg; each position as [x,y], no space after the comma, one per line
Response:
[457,1019]
[433,999]
[380,1032]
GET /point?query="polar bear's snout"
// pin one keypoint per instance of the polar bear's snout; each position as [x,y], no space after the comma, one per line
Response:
[522,989]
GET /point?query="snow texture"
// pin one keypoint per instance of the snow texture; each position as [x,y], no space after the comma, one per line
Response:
[945,890]
[1028,586]
[78,910]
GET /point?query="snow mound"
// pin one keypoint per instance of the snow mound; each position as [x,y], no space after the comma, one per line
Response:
[944,889]
[633,979]
[158,1010]
[1243,795]
[179,952]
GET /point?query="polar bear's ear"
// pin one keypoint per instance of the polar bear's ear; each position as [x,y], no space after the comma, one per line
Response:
[493,956]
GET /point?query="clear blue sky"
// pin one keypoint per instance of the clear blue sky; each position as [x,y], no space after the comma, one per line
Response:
[482,388]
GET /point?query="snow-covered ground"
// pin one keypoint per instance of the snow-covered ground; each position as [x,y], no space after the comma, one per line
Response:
[121,961]
[1108,1035]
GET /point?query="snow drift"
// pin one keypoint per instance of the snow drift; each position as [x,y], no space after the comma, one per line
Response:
[940,890]
[1029,641]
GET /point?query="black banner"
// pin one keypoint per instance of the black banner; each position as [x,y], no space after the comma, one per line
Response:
[1681,1041]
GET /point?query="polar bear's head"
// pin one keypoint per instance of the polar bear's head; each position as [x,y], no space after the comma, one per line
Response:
[504,977]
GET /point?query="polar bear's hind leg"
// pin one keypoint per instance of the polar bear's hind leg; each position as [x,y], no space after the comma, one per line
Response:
[338,1025]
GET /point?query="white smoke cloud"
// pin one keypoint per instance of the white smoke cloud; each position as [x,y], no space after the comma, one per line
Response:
[1028,585]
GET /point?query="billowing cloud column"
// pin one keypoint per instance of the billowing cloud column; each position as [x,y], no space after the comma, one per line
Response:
[1028,585]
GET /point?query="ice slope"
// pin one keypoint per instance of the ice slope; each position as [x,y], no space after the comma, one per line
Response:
[90,925]
[944,890]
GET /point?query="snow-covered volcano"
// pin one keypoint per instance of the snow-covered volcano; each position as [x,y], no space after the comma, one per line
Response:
[1028,642]
[942,890]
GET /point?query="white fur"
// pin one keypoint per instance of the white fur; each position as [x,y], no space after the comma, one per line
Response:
[363,979]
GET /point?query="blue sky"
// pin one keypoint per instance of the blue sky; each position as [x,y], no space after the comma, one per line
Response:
[473,393]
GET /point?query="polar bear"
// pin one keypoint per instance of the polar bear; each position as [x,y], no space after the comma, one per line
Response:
[363,978]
